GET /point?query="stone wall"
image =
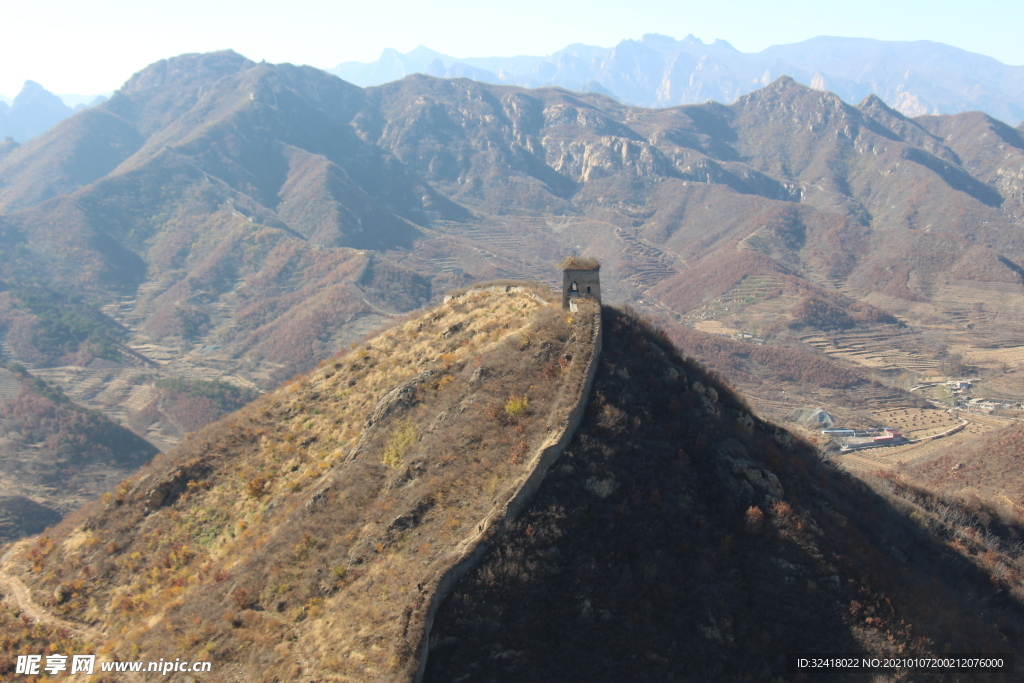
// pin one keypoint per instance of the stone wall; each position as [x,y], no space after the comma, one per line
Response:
[588,283]
[473,549]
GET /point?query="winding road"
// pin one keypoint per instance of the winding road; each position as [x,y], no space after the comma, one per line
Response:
[13,588]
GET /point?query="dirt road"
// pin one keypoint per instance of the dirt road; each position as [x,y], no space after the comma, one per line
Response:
[16,591]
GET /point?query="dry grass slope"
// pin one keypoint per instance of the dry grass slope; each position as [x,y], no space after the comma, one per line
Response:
[304,535]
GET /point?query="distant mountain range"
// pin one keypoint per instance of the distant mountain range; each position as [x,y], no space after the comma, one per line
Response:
[35,110]
[246,220]
[234,222]
[915,78]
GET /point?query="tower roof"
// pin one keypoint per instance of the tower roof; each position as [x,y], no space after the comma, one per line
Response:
[580,263]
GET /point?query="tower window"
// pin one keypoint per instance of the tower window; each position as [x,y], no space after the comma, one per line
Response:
[574,287]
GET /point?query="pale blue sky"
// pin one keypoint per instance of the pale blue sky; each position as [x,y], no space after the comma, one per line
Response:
[94,46]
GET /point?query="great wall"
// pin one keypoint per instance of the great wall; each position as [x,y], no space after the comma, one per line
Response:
[570,409]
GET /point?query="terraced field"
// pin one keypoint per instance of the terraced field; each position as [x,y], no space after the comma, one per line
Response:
[10,387]
[983,313]
[495,237]
[878,396]
[847,405]
[716,327]
[446,264]
[776,410]
[873,349]
[1004,288]
[886,458]
[1012,356]
[489,250]
[749,291]
[650,264]
[115,390]
[121,390]
[917,423]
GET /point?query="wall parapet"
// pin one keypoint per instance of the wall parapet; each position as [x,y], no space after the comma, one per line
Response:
[528,288]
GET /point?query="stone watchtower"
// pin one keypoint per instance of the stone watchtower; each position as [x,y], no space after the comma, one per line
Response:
[581,277]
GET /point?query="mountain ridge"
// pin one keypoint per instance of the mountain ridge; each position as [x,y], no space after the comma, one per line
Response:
[915,77]
[35,110]
[300,536]
[240,221]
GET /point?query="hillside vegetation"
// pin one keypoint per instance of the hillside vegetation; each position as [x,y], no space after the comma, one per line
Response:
[305,535]
[983,477]
[312,534]
[55,455]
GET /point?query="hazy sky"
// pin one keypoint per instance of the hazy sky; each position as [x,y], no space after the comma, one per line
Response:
[92,47]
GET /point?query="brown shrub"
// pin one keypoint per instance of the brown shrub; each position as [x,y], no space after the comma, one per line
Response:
[242,598]
[256,488]
[753,519]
